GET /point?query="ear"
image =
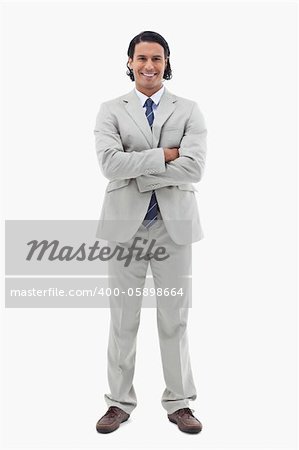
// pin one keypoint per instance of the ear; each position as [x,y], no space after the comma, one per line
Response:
[129,62]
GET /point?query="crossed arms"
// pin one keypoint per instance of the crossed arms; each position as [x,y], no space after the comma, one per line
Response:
[156,167]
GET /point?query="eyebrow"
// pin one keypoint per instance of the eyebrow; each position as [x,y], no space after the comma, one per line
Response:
[154,56]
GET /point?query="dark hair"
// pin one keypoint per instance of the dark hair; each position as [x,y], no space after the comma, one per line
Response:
[150,36]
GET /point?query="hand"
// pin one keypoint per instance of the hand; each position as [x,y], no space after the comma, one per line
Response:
[170,154]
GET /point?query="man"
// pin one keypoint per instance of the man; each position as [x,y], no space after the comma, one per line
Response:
[151,146]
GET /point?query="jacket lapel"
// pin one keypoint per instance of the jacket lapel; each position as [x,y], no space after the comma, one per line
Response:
[164,111]
[135,110]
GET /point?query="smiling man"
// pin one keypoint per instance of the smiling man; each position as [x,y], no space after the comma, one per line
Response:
[151,146]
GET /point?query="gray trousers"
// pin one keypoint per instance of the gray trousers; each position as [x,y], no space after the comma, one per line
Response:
[172,315]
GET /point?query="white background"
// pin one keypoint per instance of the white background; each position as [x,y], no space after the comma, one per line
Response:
[238,61]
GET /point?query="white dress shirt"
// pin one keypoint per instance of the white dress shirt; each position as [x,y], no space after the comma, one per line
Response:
[156,97]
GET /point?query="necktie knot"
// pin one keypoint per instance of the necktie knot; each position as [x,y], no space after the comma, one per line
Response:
[149,103]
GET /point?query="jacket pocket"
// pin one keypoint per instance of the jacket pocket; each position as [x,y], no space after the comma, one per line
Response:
[187,187]
[117,184]
[165,129]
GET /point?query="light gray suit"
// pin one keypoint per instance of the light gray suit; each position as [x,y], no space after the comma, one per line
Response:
[131,156]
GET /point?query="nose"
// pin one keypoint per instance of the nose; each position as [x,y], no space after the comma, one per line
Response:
[149,65]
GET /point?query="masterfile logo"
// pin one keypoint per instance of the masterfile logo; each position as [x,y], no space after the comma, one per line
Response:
[62,263]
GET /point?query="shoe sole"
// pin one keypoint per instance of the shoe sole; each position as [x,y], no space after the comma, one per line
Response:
[189,430]
[106,430]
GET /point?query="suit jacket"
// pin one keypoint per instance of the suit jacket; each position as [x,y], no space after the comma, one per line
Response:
[131,157]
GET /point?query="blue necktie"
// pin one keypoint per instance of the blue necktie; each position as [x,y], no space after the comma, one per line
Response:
[153,207]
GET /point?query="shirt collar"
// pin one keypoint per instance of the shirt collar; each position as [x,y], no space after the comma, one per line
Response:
[156,97]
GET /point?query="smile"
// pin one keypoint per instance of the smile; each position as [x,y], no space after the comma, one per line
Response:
[148,75]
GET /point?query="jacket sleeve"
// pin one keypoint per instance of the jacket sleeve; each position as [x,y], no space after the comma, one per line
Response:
[115,163]
[189,166]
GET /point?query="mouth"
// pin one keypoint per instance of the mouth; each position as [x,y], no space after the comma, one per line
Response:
[148,75]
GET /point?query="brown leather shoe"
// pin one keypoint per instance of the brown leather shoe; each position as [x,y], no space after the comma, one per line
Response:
[111,420]
[185,420]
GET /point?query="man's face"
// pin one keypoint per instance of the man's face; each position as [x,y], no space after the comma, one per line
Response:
[148,65]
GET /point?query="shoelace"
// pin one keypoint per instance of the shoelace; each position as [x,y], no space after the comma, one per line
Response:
[186,411]
[112,411]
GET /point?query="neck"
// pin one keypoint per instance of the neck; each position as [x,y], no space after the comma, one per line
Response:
[148,92]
